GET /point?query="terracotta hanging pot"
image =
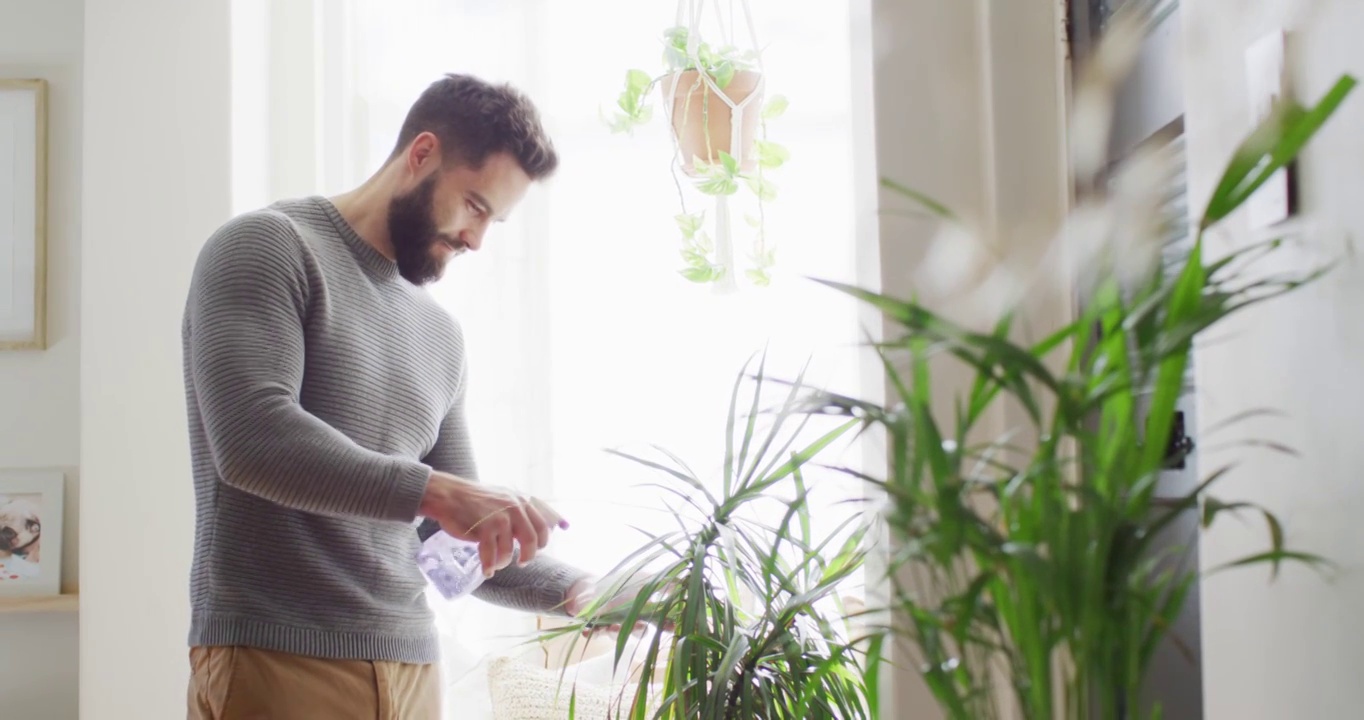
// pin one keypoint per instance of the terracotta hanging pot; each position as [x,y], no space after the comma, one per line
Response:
[701,119]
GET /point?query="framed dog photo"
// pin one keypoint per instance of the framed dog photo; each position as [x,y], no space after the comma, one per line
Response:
[30,532]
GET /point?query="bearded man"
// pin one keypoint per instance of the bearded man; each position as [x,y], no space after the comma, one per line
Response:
[326,396]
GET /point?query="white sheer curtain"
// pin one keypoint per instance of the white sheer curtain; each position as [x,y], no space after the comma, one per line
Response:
[581,333]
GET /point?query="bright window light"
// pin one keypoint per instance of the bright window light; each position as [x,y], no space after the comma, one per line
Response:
[581,333]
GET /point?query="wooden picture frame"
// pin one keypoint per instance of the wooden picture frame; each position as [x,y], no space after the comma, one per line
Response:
[23,214]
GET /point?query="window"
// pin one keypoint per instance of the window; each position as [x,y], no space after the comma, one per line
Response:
[582,335]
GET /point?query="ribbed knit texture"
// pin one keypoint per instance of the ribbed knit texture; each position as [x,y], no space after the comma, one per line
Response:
[322,389]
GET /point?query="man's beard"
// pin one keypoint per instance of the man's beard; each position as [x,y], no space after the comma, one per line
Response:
[414,234]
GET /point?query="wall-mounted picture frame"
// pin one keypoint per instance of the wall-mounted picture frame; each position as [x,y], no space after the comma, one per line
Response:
[31,532]
[23,214]
[1267,88]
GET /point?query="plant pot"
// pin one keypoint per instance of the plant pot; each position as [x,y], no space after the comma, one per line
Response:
[701,118]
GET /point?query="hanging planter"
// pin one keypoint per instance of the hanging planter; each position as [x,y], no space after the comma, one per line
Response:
[714,99]
[703,119]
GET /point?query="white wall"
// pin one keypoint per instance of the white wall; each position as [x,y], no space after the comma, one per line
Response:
[969,108]
[39,391]
[930,131]
[1293,648]
[156,183]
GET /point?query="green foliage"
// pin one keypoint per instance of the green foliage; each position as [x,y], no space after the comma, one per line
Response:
[698,250]
[725,177]
[745,598]
[719,63]
[721,178]
[1269,148]
[1035,552]
[771,155]
[1027,571]
[632,107]
[775,107]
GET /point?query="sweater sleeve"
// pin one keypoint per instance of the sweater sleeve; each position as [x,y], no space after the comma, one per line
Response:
[542,585]
[245,324]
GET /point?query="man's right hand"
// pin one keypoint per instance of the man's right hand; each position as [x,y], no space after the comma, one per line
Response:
[490,516]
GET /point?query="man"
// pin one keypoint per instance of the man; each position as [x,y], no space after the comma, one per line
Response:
[326,411]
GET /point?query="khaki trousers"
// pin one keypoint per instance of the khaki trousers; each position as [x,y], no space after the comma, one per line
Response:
[241,683]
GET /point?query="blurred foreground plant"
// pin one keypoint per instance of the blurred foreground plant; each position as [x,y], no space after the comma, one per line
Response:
[1026,571]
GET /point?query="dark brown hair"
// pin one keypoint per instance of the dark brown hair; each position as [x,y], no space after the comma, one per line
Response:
[475,119]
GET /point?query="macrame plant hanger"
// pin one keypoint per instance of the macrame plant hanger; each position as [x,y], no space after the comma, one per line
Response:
[689,13]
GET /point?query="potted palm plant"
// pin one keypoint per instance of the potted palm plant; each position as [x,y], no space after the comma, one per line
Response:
[1035,589]
[746,589]
[715,99]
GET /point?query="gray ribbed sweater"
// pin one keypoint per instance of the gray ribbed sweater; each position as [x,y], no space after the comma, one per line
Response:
[322,389]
